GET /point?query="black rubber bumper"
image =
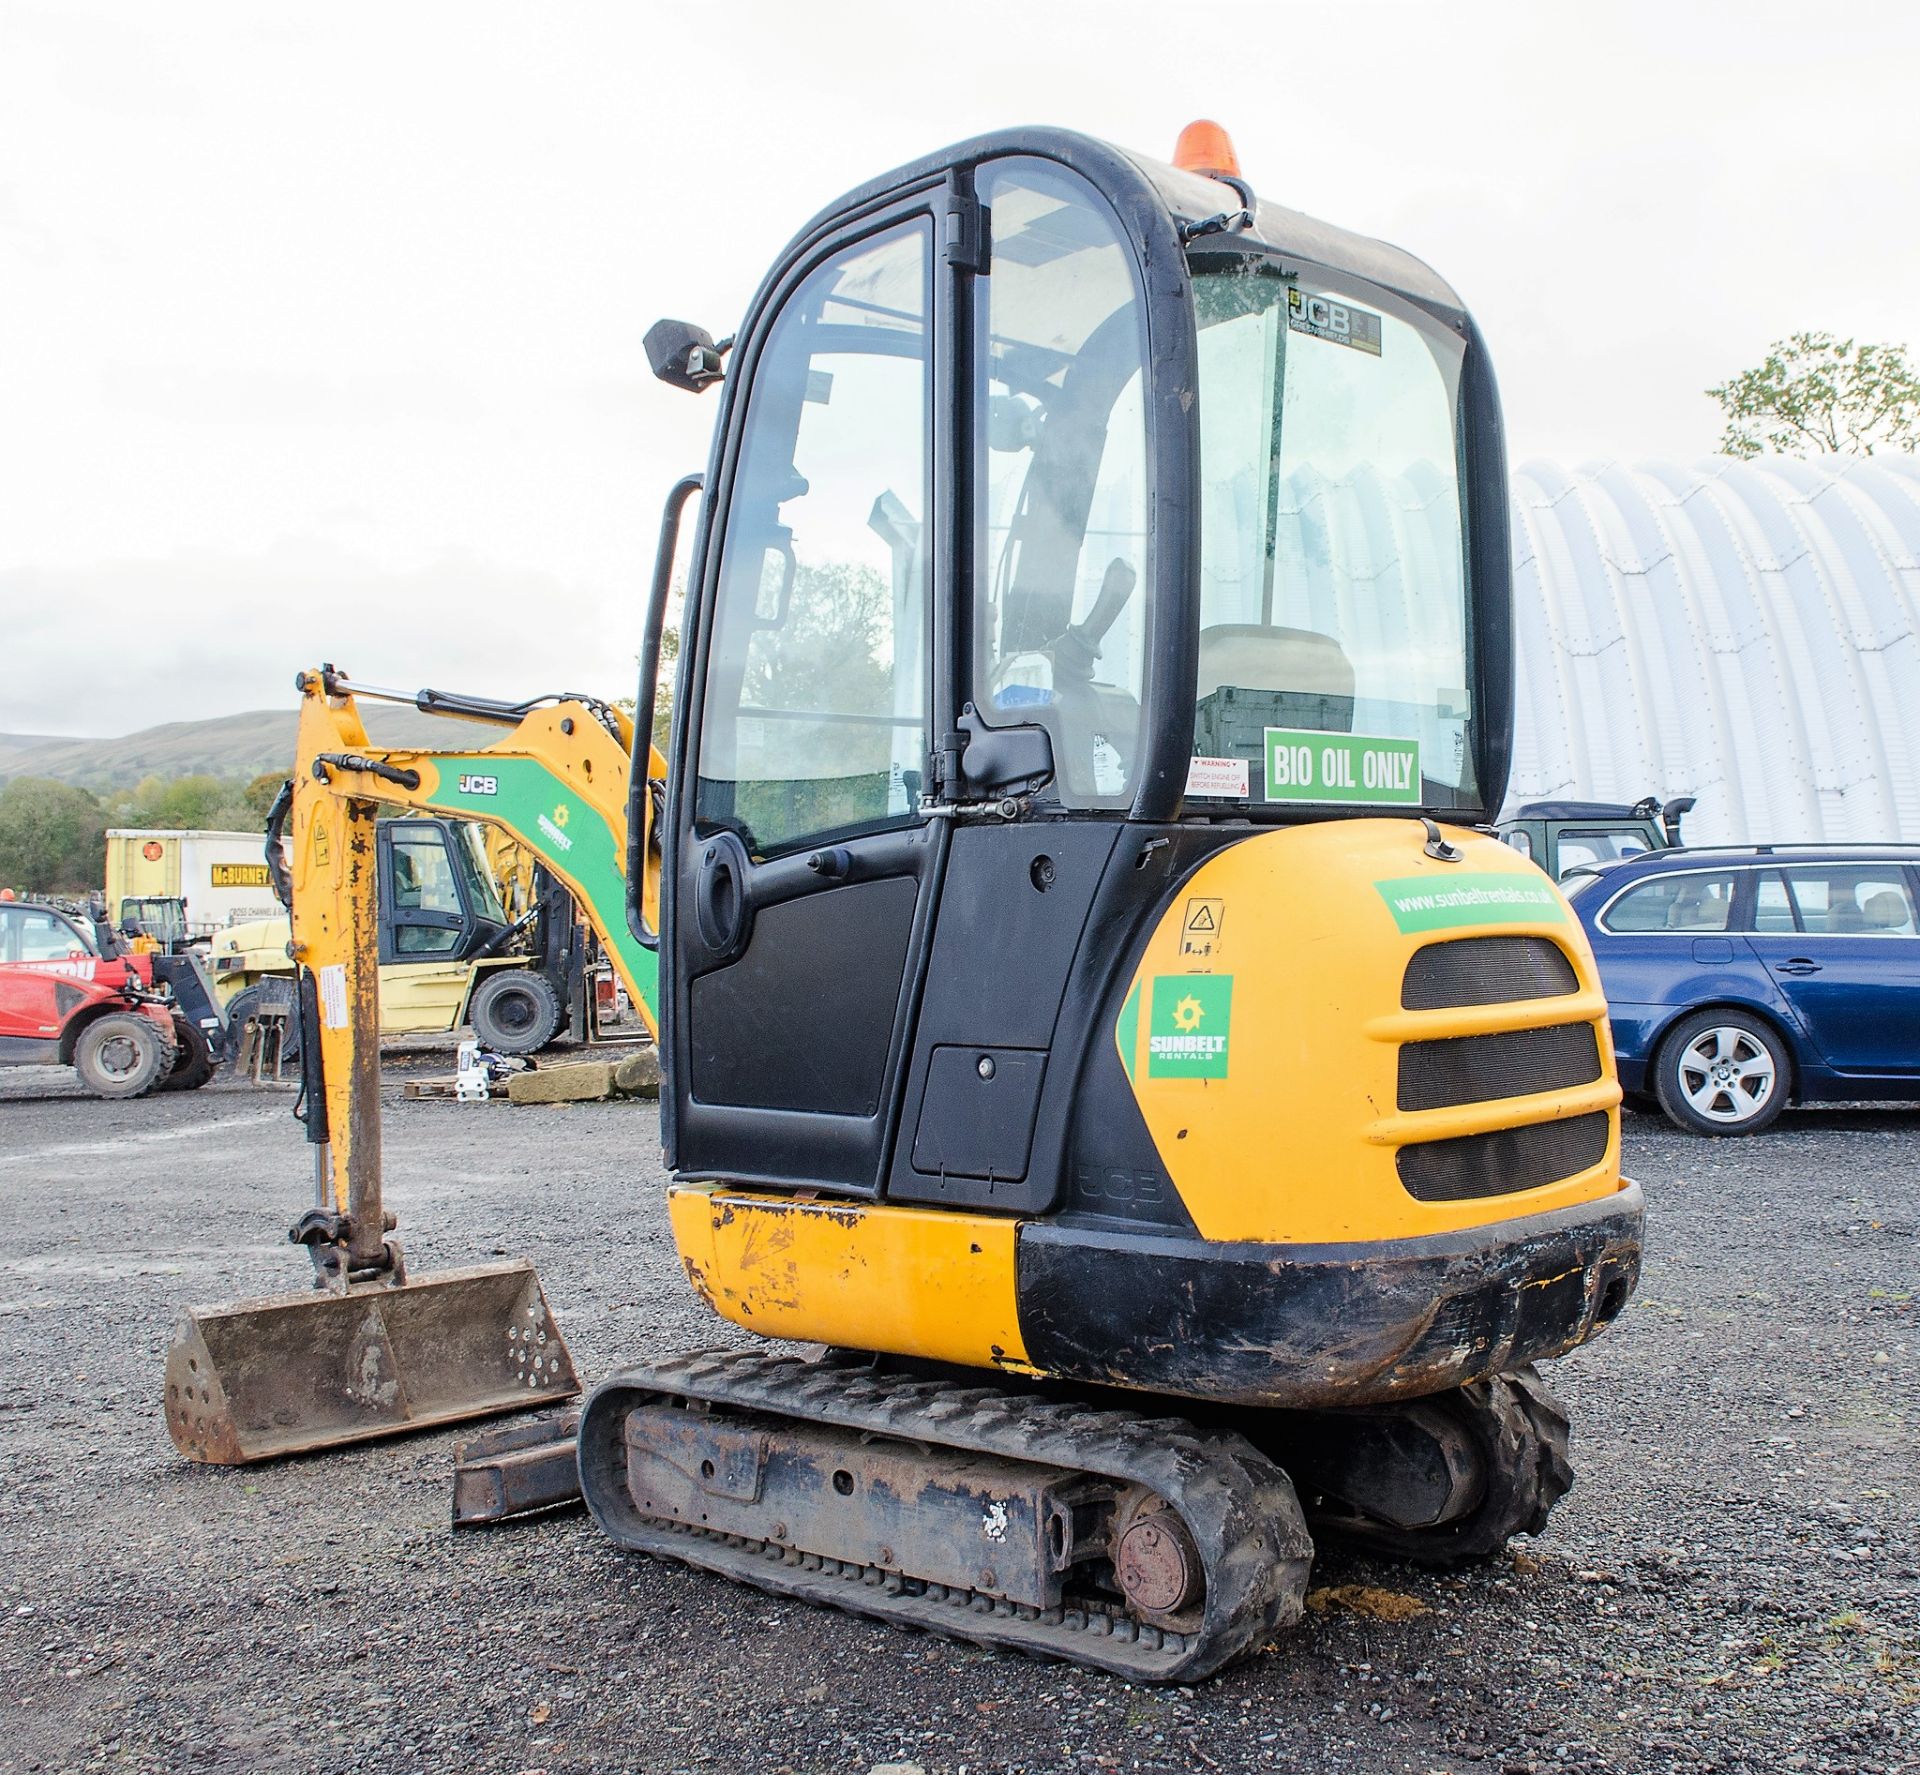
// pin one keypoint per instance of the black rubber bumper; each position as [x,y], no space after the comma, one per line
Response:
[1303,1326]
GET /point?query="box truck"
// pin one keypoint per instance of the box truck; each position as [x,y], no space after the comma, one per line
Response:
[172,885]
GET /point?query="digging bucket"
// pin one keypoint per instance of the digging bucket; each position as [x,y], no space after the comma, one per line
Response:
[289,1373]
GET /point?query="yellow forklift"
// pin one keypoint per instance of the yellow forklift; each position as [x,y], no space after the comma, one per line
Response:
[1094,1012]
[473,930]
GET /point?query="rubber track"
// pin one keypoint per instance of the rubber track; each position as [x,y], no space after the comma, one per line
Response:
[1239,1506]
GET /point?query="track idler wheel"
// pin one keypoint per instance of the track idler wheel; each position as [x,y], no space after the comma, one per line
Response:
[1441,1481]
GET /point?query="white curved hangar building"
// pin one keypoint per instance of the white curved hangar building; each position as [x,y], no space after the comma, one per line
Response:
[1747,633]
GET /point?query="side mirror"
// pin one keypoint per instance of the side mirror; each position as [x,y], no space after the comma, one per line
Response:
[683,355]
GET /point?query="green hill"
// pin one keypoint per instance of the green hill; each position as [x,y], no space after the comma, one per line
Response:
[227,746]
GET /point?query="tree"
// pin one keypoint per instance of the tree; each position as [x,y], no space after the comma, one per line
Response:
[832,648]
[663,687]
[52,837]
[186,804]
[664,677]
[1817,393]
[257,796]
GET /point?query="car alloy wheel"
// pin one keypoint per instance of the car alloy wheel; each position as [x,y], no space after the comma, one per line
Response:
[1727,1075]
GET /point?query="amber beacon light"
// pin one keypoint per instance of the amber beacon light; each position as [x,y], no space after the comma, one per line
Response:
[1204,147]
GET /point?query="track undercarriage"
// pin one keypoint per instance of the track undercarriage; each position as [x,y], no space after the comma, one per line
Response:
[1156,1547]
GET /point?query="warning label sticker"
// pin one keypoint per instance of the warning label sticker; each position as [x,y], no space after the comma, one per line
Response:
[1200,927]
[1218,776]
[333,996]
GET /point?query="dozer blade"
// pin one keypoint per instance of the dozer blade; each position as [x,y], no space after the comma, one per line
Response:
[517,1470]
[295,1372]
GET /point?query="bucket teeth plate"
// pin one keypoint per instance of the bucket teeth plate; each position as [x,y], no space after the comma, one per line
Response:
[258,1379]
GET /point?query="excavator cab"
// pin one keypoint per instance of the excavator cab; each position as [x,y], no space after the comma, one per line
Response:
[1057,496]
[1079,962]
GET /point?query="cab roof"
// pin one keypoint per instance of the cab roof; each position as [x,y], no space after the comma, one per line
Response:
[1185,197]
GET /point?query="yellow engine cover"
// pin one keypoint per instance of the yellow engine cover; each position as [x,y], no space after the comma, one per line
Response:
[1263,1029]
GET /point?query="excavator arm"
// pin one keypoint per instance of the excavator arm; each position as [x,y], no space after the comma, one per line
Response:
[371,1351]
[556,781]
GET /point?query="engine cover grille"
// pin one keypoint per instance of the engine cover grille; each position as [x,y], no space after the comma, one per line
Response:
[1514,1063]
[1503,1161]
[1485,971]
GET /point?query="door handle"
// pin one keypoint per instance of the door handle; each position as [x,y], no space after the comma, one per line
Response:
[720,895]
[1799,965]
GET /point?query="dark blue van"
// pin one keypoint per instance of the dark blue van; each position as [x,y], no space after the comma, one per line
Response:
[1741,979]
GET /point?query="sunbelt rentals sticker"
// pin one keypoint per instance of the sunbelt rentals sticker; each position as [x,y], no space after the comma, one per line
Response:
[1190,1026]
[1435,902]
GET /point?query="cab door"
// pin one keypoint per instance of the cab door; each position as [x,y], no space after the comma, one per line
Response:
[796,919]
[427,929]
[43,959]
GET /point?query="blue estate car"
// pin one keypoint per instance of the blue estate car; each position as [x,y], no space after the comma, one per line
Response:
[1738,979]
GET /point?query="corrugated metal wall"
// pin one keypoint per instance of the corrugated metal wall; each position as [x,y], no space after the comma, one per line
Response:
[1743,632]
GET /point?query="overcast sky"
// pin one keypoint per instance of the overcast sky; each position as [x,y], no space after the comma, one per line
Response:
[320,324]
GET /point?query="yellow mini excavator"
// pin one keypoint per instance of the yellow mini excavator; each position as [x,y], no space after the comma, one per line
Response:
[1091,1004]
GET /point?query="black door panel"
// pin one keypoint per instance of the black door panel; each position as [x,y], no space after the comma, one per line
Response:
[1012,912]
[424,916]
[803,1020]
[796,919]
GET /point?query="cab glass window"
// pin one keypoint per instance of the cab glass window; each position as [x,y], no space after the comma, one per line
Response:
[1063,569]
[28,934]
[816,696]
[470,858]
[40,936]
[1854,900]
[422,877]
[1674,903]
[1576,848]
[1333,587]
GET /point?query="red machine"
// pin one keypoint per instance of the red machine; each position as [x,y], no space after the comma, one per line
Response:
[127,1024]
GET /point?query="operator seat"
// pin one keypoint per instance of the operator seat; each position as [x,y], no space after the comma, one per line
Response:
[406,883]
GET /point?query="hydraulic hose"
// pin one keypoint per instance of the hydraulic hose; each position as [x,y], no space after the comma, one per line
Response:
[277,871]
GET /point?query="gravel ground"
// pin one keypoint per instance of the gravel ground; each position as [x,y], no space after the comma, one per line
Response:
[1734,1583]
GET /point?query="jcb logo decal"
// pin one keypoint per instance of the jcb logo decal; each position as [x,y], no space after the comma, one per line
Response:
[472,785]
